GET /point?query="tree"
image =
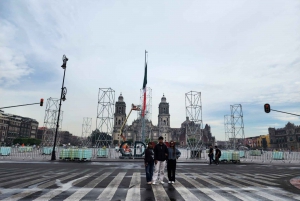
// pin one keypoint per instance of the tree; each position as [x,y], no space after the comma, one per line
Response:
[147,140]
[27,141]
[104,136]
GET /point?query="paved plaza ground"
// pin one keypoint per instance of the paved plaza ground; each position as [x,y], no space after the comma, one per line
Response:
[125,180]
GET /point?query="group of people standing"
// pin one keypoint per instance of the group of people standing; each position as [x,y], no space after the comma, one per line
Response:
[214,158]
[156,159]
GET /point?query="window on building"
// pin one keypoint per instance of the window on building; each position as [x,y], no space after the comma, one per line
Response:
[119,122]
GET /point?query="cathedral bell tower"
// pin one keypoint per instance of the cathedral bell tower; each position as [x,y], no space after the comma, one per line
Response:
[164,119]
[164,115]
[120,112]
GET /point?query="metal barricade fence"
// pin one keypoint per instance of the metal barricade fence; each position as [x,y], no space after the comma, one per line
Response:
[44,153]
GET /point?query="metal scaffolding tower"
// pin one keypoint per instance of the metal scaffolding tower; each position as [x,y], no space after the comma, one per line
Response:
[238,134]
[105,116]
[228,131]
[86,131]
[234,127]
[194,131]
[148,112]
[50,121]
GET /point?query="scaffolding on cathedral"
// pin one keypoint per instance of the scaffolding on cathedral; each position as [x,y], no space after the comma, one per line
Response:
[86,132]
[105,117]
[194,132]
[50,122]
[234,127]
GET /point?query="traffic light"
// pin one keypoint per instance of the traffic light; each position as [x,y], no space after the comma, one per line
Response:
[41,102]
[267,108]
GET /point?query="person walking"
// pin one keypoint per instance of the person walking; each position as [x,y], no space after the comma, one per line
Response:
[218,155]
[211,154]
[160,157]
[149,162]
[174,154]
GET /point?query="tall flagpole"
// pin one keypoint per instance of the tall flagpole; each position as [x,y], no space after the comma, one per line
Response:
[144,107]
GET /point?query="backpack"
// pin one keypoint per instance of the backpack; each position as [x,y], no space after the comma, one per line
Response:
[220,153]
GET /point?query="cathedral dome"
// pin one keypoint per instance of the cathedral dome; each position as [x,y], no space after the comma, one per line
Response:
[121,98]
[163,99]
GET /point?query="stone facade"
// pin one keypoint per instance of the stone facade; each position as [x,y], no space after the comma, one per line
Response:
[3,127]
[14,126]
[287,138]
[163,128]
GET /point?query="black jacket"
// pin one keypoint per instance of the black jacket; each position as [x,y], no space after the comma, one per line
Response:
[149,156]
[218,152]
[160,152]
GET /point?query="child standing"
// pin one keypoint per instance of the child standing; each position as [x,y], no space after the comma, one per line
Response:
[171,166]
[149,162]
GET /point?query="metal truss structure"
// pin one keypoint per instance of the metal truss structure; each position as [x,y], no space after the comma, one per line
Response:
[234,127]
[194,131]
[148,112]
[105,116]
[50,121]
[228,130]
[86,132]
[238,134]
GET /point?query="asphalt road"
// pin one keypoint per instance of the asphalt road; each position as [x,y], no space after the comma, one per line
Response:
[126,181]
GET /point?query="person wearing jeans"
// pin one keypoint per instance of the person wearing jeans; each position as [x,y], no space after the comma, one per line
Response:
[160,156]
[211,155]
[171,166]
[149,162]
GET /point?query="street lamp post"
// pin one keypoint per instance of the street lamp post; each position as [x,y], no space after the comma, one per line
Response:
[62,97]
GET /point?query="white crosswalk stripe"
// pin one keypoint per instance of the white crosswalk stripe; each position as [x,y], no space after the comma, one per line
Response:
[263,188]
[184,192]
[15,173]
[87,188]
[229,190]
[28,192]
[215,186]
[110,190]
[134,188]
[213,195]
[253,179]
[160,193]
[259,177]
[21,178]
[63,187]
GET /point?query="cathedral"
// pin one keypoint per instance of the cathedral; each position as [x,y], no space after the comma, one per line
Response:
[133,132]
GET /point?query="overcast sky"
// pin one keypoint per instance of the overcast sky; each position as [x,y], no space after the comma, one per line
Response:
[233,52]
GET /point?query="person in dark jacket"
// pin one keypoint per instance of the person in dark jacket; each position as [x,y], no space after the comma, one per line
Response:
[211,154]
[160,157]
[149,162]
[171,166]
[218,155]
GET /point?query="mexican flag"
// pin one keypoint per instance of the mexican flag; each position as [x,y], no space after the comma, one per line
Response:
[144,89]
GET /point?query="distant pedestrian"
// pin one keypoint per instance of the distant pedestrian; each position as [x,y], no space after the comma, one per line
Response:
[171,164]
[211,154]
[218,155]
[160,157]
[149,162]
